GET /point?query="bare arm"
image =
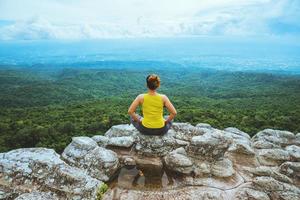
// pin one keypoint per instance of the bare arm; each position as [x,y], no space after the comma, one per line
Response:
[133,106]
[170,108]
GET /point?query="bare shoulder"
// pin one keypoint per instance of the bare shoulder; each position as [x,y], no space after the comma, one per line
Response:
[140,95]
[140,98]
[164,97]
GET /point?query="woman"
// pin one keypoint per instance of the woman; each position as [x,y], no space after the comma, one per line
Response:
[152,122]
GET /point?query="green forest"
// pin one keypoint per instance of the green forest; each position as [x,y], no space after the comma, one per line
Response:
[45,106]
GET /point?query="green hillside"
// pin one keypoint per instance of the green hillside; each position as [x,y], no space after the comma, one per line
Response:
[47,106]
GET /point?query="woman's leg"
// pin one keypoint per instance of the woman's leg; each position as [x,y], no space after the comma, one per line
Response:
[168,124]
[136,124]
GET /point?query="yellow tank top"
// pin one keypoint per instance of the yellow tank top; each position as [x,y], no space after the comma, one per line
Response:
[152,108]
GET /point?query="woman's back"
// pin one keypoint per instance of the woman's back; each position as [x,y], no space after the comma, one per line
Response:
[152,122]
[152,108]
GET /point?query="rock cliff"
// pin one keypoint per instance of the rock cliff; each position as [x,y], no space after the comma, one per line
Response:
[211,164]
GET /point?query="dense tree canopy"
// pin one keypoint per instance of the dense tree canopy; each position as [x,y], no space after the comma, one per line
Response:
[47,107]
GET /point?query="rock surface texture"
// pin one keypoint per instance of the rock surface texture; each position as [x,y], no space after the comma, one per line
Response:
[213,164]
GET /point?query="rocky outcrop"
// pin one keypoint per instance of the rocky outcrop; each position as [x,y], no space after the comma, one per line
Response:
[98,162]
[35,169]
[179,161]
[210,164]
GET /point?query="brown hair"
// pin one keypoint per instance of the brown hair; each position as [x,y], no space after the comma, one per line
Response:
[153,81]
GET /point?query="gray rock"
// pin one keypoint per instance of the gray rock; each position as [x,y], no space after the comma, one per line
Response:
[270,171]
[262,144]
[181,142]
[241,146]
[185,131]
[78,148]
[277,137]
[276,188]
[203,125]
[123,141]
[101,140]
[43,168]
[222,168]
[178,160]
[225,163]
[149,163]
[250,194]
[20,160]
[150,145]
[201,168]
[241,143]
[291,169]
[122,130]
[99,162]
[237,132]
[211,145]
[272,157]
[37,196]
[294,152]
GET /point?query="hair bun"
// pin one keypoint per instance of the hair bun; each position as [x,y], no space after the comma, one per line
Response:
[153,81]
[153,78]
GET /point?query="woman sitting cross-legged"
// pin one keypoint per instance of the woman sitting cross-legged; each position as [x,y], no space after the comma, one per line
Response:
[152,122]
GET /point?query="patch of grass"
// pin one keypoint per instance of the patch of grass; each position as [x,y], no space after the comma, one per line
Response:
[101,190]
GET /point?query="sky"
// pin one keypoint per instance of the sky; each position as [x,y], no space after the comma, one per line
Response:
[94,19]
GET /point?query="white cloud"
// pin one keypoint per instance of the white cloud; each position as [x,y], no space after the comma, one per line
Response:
[75,19]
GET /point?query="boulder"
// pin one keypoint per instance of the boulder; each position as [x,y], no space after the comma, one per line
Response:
[42,169]
[154,145]
[277,137]
[101,140]
[242,147]
[273,157]
[222,168]
[263,144]
[237,132]
[83,152]
[211,145]
[201,168]
[122,130]
[178,161]
[294,152]
[123,141]
[75,152]
[100,163]
[185,131]
[291,169]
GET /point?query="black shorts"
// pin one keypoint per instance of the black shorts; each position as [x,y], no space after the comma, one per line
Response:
[150,131]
